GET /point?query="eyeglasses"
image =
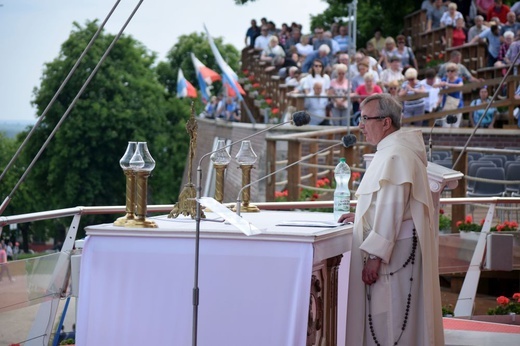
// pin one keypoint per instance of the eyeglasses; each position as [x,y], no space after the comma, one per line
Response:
[366,118]
[451,70]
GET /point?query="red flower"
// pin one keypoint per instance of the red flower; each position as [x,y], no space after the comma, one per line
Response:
[482,222]
[441,211]
[441,55]
[268,101]
[281,194]
[469,219]
[356,175]
[275,110]
[503,300]
[428,59]
[516,296]
[315,196]
[256,85]
[458,223]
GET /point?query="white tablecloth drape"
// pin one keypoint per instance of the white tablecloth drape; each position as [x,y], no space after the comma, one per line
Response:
[138,291]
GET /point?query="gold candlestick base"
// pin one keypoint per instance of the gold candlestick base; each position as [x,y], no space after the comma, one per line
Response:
[137,223]
[123,220]
[250,208]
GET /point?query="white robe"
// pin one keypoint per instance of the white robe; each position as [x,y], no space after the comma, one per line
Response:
[395,188]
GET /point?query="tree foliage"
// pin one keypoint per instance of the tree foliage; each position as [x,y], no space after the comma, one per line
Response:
[123,102]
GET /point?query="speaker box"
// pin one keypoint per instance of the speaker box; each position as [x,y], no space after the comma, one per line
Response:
[499,254]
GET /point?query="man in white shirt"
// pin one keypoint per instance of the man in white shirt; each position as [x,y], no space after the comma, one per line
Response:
[262,41]
[433,93]
[476,29]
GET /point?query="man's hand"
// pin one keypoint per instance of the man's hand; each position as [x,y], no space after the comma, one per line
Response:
[370,271]
[346,218]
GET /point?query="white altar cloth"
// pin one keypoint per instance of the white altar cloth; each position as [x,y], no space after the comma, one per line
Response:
[136,285]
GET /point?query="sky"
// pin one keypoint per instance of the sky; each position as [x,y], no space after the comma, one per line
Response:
[32,32]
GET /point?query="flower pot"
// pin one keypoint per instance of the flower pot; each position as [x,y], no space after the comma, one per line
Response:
[469,235]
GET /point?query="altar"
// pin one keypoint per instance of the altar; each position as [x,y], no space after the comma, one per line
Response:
[275,288]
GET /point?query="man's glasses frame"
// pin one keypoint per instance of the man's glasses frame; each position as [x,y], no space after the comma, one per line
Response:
[364,118]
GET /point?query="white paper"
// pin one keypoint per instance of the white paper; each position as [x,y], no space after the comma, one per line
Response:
[311,223]
[243,225]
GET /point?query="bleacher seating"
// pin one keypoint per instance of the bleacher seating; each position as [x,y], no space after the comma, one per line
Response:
[489,189]
[429,46]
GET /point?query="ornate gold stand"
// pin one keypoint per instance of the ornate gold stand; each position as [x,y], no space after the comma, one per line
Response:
[187,205]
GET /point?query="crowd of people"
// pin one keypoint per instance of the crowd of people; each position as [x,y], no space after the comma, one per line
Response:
[487,20]
[386,64]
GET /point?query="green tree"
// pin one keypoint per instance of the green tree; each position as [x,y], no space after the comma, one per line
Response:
[179,57]
[123,102]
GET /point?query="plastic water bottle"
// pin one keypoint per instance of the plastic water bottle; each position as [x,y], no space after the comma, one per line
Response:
[342,192]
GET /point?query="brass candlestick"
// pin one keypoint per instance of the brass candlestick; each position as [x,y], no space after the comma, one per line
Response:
[130,185]
[246,158]
[143,164]
[219,182]
[220,159]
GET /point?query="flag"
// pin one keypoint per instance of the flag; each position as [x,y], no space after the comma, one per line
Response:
[184,88]
[229,77]
[205,76]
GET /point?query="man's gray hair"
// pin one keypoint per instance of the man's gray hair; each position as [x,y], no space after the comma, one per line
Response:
[388,106]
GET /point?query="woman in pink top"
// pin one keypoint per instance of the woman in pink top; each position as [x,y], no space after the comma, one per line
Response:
[339,86]
[3,263]
[368,88]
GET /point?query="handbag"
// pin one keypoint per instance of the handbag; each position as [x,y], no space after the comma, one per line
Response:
[450,103]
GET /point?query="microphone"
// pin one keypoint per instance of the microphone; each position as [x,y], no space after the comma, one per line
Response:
[298,119]
[301,118]
[347,141]
[450,119]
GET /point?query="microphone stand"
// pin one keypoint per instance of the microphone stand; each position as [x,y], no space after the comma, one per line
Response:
[197,225]
[6,201]
[450,119]
[486,109]
[430,144]
[239,201]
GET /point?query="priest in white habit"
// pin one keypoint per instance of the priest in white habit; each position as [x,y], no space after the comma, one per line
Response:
[394,293]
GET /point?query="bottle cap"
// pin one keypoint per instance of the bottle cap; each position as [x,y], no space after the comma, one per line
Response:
[342,159]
